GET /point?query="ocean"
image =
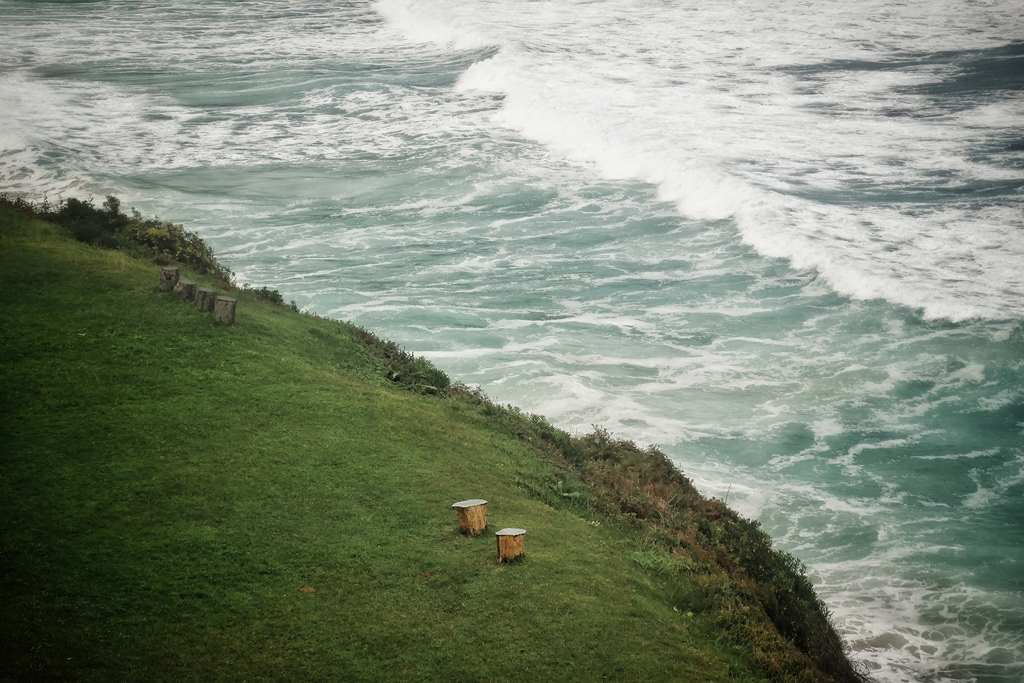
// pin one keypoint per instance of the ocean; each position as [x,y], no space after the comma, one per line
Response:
[785,241]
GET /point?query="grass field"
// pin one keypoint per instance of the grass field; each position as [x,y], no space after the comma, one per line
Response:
[190,501]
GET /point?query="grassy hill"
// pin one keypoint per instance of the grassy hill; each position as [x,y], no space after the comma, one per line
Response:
[270,500]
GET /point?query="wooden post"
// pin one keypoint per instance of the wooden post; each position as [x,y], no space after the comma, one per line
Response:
[185,289]
[472,516]
[205,298]
[168,278]
[510,544]
[224,309]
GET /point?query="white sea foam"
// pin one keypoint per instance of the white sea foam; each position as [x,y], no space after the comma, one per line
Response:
[987,453]
[700,127]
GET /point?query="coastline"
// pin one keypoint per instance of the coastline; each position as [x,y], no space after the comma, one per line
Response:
[710,563]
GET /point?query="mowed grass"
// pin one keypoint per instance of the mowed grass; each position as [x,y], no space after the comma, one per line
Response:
[183,500]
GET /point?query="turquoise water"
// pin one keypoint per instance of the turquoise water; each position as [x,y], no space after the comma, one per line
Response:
[786,245]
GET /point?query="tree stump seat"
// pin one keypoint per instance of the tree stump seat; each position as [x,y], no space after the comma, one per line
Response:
[510,544]
[472,516]
[224,309]
[205,298]
[185,290]
[168,278]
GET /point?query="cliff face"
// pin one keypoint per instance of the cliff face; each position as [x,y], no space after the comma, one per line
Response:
[271,499]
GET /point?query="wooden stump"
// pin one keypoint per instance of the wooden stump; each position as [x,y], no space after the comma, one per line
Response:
[185,290]
[224,309]
[472,516]
[205,298]
[510,544]
[168,278]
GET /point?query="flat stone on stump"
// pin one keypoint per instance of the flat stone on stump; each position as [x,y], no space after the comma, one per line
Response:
[205,298]
[168,278]
[185,290]
[224,310]
[472,516]
[510,544]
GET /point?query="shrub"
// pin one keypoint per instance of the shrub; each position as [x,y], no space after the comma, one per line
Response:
[161,239]
[267,294]
[107,226]
[99,226]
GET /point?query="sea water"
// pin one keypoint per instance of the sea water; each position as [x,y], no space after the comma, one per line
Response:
[784,241]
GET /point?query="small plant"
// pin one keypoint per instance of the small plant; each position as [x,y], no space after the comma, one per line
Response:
[656,561]
[267,294]
[402,367]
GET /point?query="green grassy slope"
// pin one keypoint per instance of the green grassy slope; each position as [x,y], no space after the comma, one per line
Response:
[168,485]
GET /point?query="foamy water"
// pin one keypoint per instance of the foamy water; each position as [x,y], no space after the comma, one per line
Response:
[823,146]
[783,243]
